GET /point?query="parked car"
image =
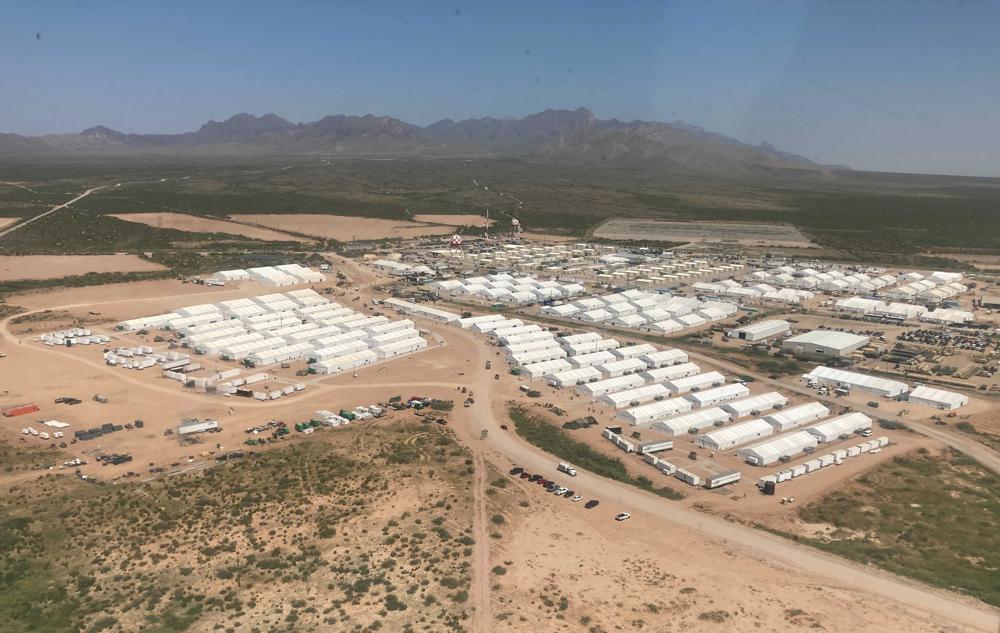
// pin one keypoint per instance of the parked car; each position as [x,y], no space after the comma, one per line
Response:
[525,475]
[593,503]
[569,494]
[561,490]
[517,470]
[622,516]
[576,498]
[534,478]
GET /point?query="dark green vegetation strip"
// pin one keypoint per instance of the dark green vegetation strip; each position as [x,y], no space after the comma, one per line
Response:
[248,541]
[553,440]
[930,517]
[76,281]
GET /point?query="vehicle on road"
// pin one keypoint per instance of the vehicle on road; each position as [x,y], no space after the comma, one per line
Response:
[593,503]
[622,516]
[873,404]
[563,467]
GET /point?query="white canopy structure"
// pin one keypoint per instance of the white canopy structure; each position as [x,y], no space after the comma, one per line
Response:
[733,436]
[786,446]
[939,398]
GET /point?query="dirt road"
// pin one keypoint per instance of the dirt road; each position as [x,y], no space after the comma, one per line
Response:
[482,618]
[83,195]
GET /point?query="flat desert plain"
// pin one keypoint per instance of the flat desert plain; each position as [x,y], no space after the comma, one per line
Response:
[195,224]
[344,228]
[55,266]
[734,232]
[565,568]
[453,219]
[5,222]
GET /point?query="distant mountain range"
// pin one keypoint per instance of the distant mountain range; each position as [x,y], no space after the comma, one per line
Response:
[565,136]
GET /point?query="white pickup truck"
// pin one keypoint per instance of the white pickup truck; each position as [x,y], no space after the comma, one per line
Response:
[566,468]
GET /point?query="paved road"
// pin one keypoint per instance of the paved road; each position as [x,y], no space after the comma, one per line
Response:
[620,497]
[83,195]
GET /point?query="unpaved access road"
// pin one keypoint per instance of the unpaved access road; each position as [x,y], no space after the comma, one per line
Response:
[83,195]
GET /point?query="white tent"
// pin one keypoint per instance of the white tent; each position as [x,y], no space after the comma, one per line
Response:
[635,397]
[733,436]
[755,405]
[939,398]
[696,420]
[573,377]
[609,385]
[797,416]
[768,452]
[697,381]
[873,384]
[833,429]
[654,411]
[723,393]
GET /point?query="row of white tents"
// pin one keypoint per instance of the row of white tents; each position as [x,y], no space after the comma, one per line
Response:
[643,311]
[876,308]
[278,276]
[284,327]
[505,288]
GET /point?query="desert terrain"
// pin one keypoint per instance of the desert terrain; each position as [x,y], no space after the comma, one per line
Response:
[343,227]
[196,224]
[56,266]
[784,235]
[451,219]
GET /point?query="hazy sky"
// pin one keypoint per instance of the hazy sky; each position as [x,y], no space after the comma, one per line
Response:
[900,86]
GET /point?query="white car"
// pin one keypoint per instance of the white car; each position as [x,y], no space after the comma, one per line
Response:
[561,490]
[577,498]
[622,516]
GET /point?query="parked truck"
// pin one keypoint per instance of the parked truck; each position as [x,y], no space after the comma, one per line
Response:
[566,468]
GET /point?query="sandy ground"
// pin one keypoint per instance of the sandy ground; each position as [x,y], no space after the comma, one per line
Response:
[453,219]
[735,232]
[5,222]
[195,224]
[55,266]
[344,228]
[595,572]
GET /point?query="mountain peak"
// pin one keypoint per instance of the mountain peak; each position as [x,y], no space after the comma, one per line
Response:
[563,135]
